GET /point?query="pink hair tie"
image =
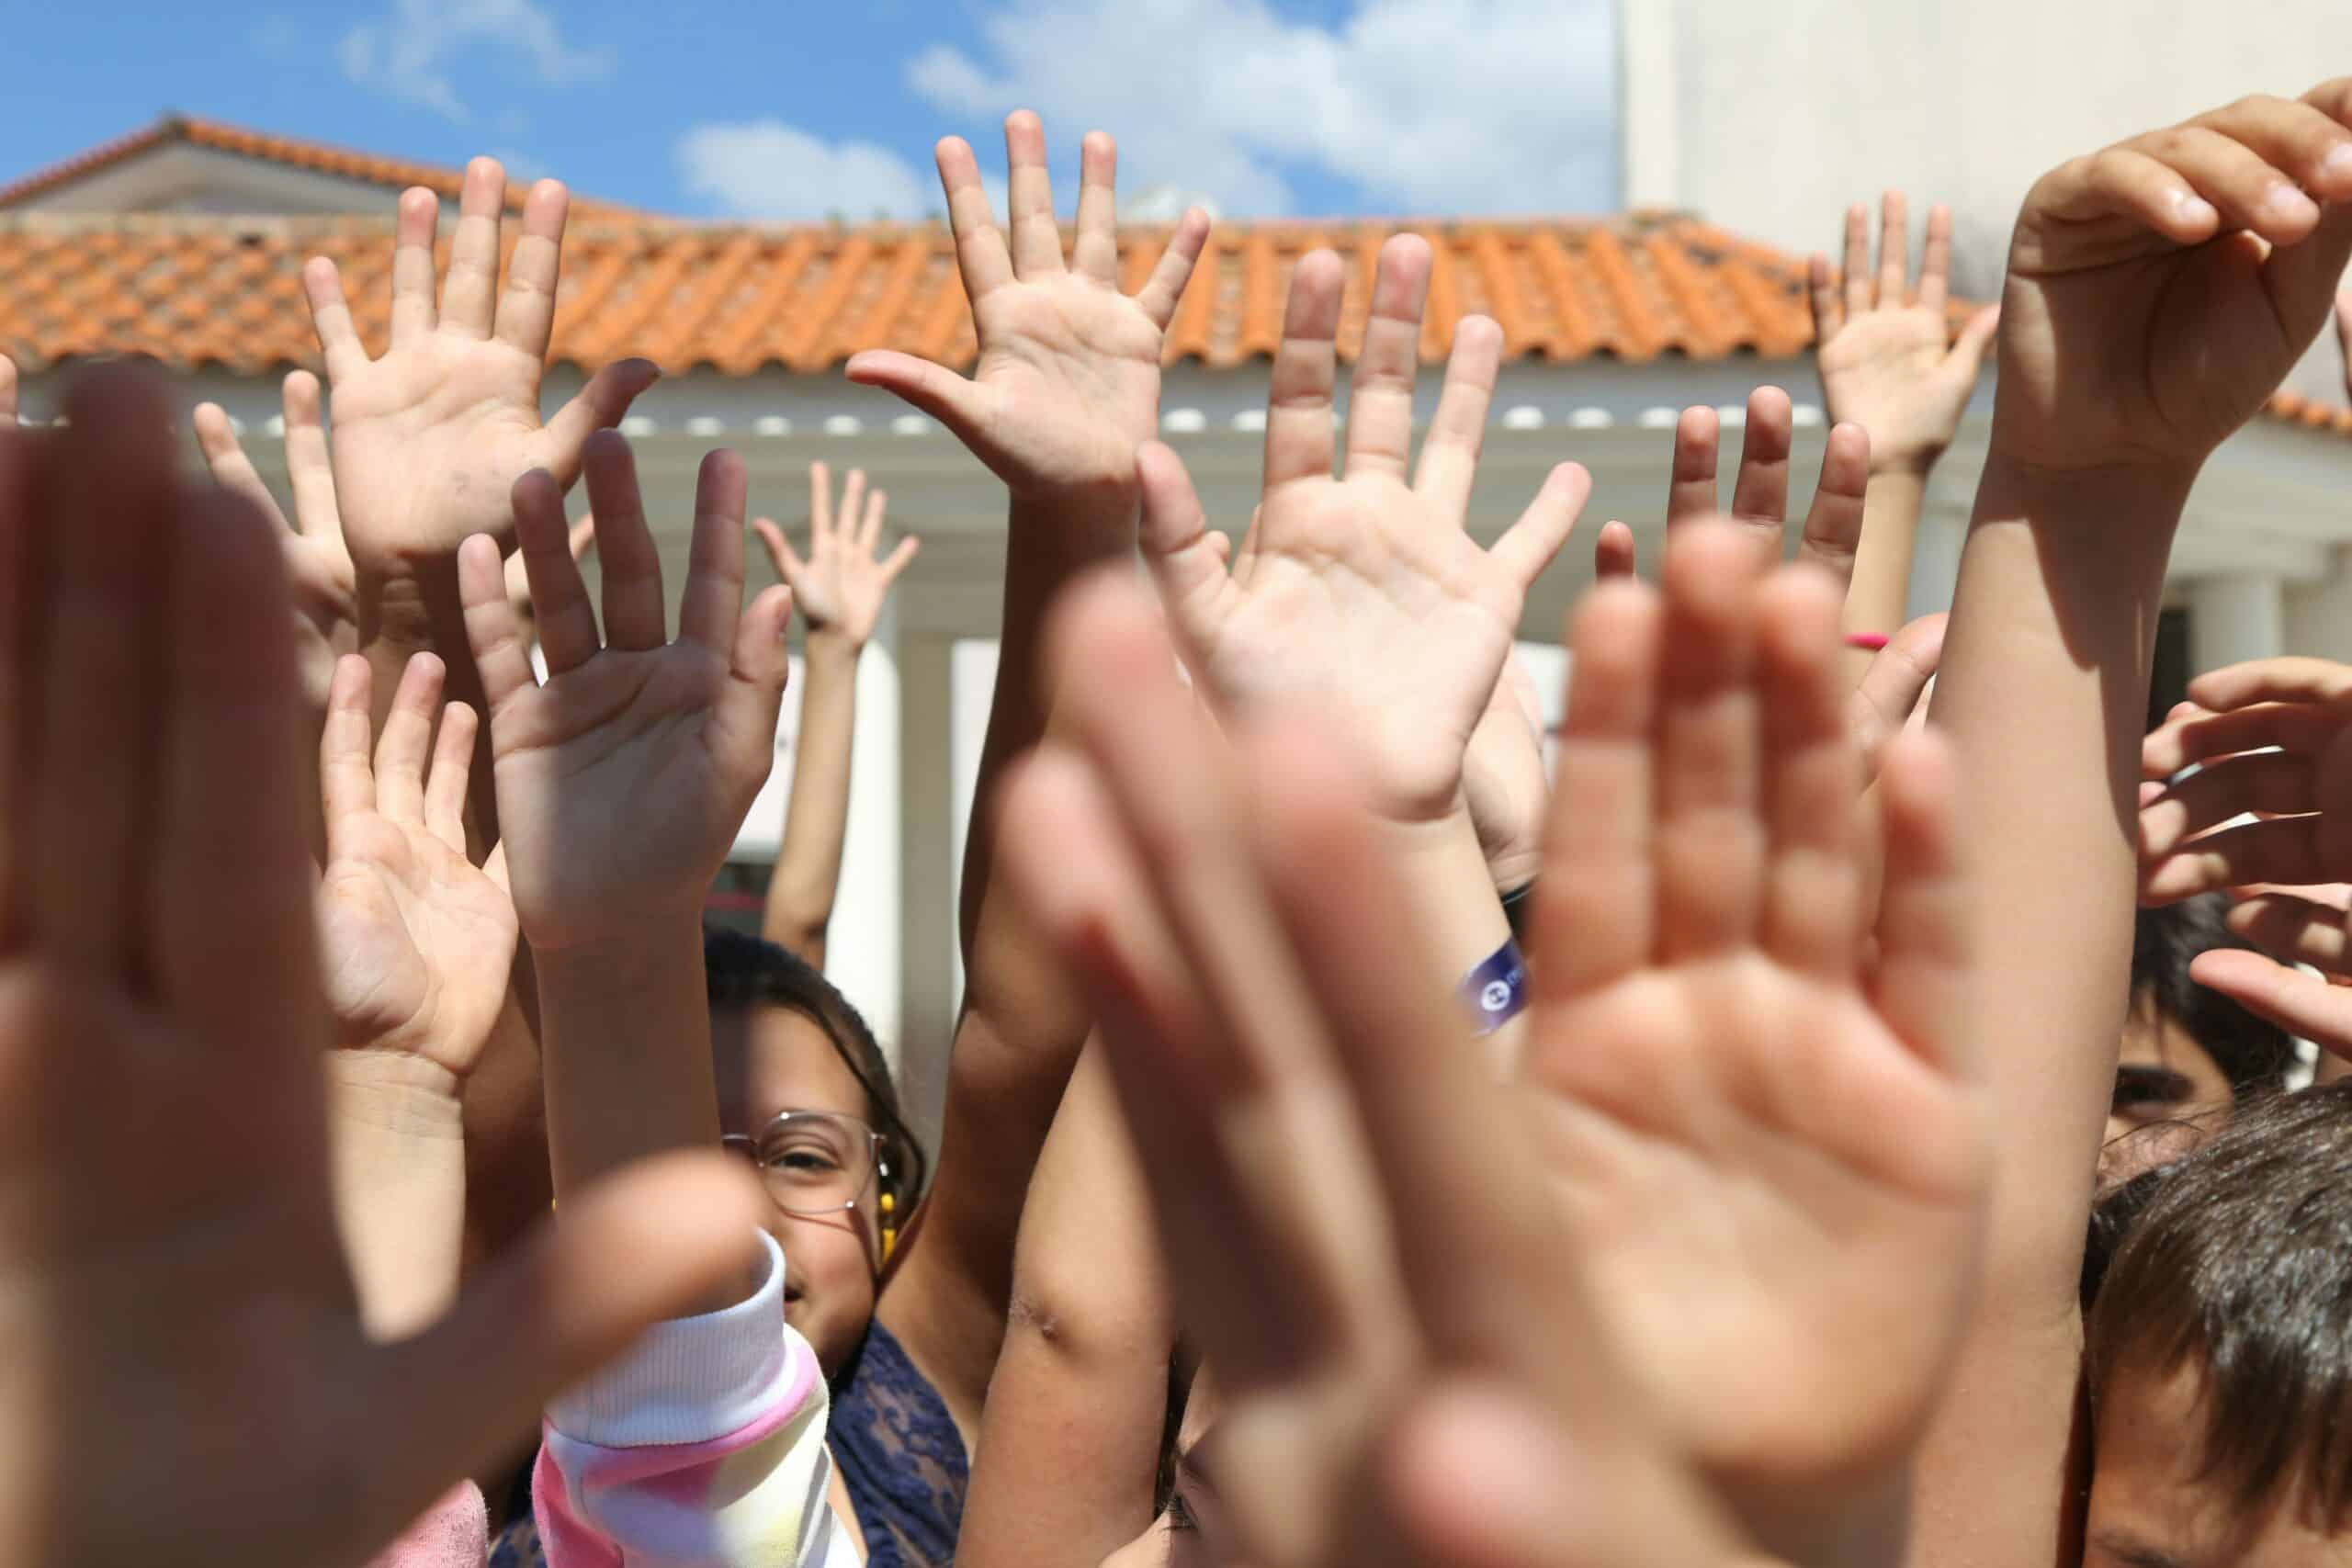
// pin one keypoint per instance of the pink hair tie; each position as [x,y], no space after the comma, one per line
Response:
[1869,642]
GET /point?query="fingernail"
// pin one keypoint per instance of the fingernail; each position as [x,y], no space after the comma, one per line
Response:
[2337,167]
[2285,204]
[2193,209]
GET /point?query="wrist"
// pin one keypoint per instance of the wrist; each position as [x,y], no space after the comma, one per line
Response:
[830,648]
[396,1091]
[1904,466]
[1445,874]
[1076,524]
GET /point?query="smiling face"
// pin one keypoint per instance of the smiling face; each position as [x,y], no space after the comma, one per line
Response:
[2151,1505]
[771,1060]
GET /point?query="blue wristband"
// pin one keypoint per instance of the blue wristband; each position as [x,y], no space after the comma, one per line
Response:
[1496,991]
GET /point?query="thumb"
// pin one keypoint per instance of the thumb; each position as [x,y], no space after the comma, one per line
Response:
[640,1245]
[1175,537]
[2305,278]
[599,406]
[963,405]
[786,560]
[1968,349]
[1893,685]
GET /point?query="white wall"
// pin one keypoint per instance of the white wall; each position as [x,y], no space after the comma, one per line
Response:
[1781,114]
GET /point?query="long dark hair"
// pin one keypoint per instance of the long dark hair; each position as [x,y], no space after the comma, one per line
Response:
[743,972]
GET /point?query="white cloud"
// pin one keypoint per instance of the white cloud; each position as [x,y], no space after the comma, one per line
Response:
[1428,105]
[411,54]
[765,168]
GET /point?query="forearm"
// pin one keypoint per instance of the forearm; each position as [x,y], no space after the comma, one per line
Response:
[398,1169]
[809,863]
[1069,1450]
[1880,589]
[2043,690]
[625,1039]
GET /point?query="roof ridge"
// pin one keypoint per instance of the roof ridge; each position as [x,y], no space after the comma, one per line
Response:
[348,163]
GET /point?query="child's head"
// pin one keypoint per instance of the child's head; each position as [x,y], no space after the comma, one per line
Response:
[2219,1350]
[806,1087]
[2189,1054]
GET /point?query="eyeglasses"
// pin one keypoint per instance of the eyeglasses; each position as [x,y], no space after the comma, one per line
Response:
[815,1162]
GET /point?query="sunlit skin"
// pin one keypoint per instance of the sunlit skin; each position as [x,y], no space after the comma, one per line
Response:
[770,1060]
[2150,1509]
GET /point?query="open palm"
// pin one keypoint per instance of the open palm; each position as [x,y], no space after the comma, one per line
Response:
[649,749]
[430,437]
[1363,596]
[416,940]
[1067,381]
[841,587]
[2160,290]
[177,1327]
[1777,1165]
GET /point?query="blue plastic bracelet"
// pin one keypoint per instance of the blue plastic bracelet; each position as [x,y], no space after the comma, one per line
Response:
[1496,991]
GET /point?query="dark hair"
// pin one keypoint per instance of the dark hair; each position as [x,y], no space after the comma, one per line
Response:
[2252,1053]
[743,972]
[2239,1263]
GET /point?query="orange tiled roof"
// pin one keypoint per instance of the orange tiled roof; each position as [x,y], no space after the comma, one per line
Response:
[196,291]
[2296,409]
[393,174]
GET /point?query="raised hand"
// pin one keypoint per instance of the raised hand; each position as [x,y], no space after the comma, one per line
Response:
[2267,741]
[318,564]
[623,780]
[430,437]
[417,940]
[2160,290]
[1363,596]
[1397,1319]
[1504,782]
[841,587]
[1887,358]
[1068,383]
[176,1322]
[1708,1042]
[1759,500]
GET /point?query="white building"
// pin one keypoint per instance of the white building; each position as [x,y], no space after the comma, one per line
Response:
[184,243]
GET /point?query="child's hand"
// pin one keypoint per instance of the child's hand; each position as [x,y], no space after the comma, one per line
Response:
[417,941]
[326,618]
[178,1332]
[840,588]
[623,780]
[2159,290]
[1760,496]
[1887,359]
[430,437]
[1363,596]
[1067,384]
[1770,1152]
[1397,1319]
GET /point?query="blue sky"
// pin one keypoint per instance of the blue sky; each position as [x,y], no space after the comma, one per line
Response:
[1258,107]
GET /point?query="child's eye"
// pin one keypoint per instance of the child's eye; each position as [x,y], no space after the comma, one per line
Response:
[2141,1087]
[1180,1513]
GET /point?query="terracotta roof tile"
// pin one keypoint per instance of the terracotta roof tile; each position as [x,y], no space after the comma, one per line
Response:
[736,297]
[2296,409]
[392,174]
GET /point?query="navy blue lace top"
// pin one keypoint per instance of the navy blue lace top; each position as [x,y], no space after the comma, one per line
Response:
[899,1456]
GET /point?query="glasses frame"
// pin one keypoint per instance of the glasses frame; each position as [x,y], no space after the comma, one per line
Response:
[878,1160]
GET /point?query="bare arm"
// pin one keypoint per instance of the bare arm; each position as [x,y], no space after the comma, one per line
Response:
[839,590]
[2043,690]
[1066,388]
[1889,364]
[1069,1446]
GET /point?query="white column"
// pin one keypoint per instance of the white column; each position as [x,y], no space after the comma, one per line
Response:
[1649,160]
[862,943]
[2231,619]
[2319,615]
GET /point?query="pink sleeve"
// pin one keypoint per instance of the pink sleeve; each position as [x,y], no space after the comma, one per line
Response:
[453,1533]
[702,1448]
